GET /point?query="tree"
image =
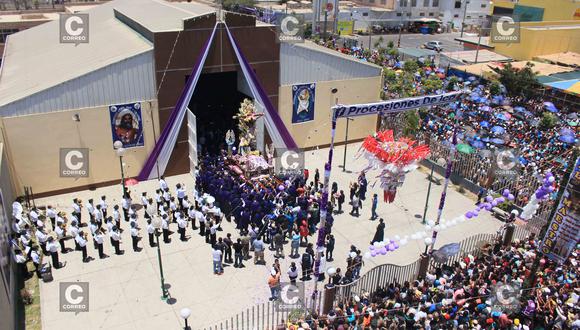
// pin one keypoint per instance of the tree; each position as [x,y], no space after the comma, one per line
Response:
[411,123]
[391,44]
[518,82]
[452,83]
[432,84]
[390,76]
[410,66]
[548,121]
[233,4]
[495,88]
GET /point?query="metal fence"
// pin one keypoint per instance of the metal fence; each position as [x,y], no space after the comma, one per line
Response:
[266,316]
[378,277]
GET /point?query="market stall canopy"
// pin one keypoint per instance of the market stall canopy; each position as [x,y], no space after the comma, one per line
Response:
[566,59]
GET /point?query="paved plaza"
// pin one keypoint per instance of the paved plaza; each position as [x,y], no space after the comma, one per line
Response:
[125,290]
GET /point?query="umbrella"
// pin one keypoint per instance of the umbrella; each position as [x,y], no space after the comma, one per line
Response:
[485,139]
[566,131]
[131,182]
[477,144]
[508,108]
[567,138]
[484,124]
[497,141]
[573,123]
[520,109]
[550,106]
[485,108]
[503,116]
[573,115]
[465,148]
[442,255]
[472,78]
[498,130]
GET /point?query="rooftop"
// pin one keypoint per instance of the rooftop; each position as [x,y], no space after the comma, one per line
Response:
[469,56]
[28,17]
[566,58]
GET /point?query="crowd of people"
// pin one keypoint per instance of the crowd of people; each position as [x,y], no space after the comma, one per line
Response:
[468,295]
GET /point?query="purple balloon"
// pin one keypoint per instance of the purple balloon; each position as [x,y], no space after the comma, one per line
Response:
[506,192]
[383,250]
[511,197]
[478,209]
[488,207]
[469,215]
[281,187]
[551,188]
[373,253]
[488,199]
[372,247]
[396,245]
[494,203]
[500,199]
[474,213]
[539,195]
[391,247]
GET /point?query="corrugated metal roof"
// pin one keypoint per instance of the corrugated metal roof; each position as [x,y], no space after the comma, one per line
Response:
[34,60]
[308,62]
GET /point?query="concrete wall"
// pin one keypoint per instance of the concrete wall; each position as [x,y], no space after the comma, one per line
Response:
[8,290]
[535,41]
[554,10]
[34,142]
[317,132]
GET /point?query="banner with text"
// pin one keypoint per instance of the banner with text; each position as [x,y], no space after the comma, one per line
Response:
[394,106]
[564,231]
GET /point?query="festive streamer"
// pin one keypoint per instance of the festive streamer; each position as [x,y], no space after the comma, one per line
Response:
[164,146]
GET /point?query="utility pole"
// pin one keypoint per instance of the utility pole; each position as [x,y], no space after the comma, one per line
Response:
[466,2]
[478,44]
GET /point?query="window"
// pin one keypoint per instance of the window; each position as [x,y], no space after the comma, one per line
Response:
[456,15]
[425,3]
[399,14]
[413,3]
[402,3]
[431,14]
[457,4]
[468,16]
[435,3]
[483,5]
[421,14]
[409,14]
[365,14]
[480,16]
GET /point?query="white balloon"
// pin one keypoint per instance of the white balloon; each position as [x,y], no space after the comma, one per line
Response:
[443,226]
[428,241]
[423,234]
[376,244]
[397,238]
[403,242]
[437,228]
[381,244]
[428,228]
[367,255]
[352,255]
[431,223]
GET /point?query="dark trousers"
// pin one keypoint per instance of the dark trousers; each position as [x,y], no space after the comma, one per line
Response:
[135,240]
[305,273]
[202,228]
[62,247]
[151,241]
[53,222]
[55,262]
[84,249]
[182,234]
[43,248]
[117,247]
[329,254]
[212,239]
[78,215]
[77,246]
[193,226]
[100,249]
[104,214]
[166,235]
[126,214]
[238,259]
[228,254]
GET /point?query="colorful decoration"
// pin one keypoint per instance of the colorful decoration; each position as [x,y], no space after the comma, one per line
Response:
[542,193]
[394,159]
[247,117]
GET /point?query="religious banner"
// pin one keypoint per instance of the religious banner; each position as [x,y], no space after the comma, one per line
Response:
[395,106]
[564,231]
[303,103]
[127,124]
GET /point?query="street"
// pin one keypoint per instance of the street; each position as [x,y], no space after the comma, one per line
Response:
[415,40]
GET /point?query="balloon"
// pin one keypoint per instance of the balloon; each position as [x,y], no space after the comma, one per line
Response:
[551,179]
[551,188]
[427,227]
[367,255]
[372,247]
[437,228]
[404,242]
[391,247]
[383,250]
[281,187]
[494,203]
[352,255]
[478,208]
[511,197]
[428,241]
[397,238]
[444,226]
[396,245]
[505,193]
[488,199]
[500,200]
[469,215]
[431,223]
[377,245]
[373,253]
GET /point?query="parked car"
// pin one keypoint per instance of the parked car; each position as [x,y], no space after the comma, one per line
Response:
[434,45]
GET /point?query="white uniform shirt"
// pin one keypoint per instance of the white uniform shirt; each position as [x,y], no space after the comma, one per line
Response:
[182,223]
[150,229]
[213,229]
[199,216]
[52,247]
[181,192]
[99,239]
[34,215]
[103,204]
[50,213]
[134,232]
[172,206]
[144,201]
[98,214]
[158,198]
[19,258]
[115,236]
[110,226]
[162,184]
[59,232]
[90,208]
[17,209]
[116,215]
[42,237]
[74,231]
[35,256]
[59,220]
[185,204]
[81,241]
[166,196]
[76,207]
[165,224]
[93,228]
[126,204]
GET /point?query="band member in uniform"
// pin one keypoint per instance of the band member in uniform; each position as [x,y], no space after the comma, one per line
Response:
[74,231]
[77,205]
[81,240]
[151,233]
[90,208]
[60,235]
[116,217]
[116,241]
[104,206]
[181,224]
[99,239]
[52,247]
[165,227]
[135,236]
[51,214]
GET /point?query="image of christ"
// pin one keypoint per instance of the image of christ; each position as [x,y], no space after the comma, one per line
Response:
[126,127]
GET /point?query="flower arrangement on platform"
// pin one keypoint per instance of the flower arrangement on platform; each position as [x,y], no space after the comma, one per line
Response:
[393,158]
[247,117]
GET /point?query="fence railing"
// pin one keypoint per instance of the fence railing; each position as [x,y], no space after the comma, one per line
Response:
[376,278]
[266,316]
